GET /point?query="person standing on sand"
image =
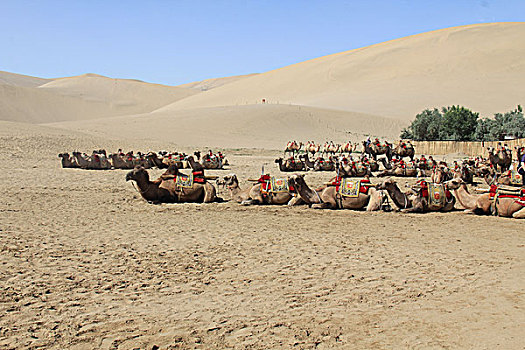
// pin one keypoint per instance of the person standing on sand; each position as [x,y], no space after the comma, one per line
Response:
[521,168]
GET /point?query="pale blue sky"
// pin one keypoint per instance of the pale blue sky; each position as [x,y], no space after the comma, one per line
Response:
[175,42]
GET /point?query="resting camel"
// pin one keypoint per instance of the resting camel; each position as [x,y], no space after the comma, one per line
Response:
[258,195]
[465,174]
[166,190]
[67,161]
[375,150]
[404,149]
[320,164]
[501,158]
[237,194]
[290,164]
[510,206]
[400,171]
[330,198]
[440,174]
[473,203]
[419,203]
[348,147]
[155,161]
[93,162]
[354,169]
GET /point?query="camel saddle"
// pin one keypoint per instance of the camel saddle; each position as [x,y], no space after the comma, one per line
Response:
[271,184]
[436,194]
[350,188]
[519,196]
[187,181]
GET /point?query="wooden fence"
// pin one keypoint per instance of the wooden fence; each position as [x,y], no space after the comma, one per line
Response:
[464,147]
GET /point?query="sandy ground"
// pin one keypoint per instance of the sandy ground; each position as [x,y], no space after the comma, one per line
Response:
[86,263]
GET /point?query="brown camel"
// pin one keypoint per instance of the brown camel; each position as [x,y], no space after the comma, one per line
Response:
[423,201]
[155,161]
[67,161]
[331,198]
[401,199]
[320,164]
[375,150]
[93,162]
[291,164]
[354,169]
[404,149]
[312,148]
[501,158]
[293,146]
[169,191]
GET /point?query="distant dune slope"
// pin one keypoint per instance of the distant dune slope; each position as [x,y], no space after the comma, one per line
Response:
[88,96]
[209,84]
[259,126]
[480,66]
[13,79]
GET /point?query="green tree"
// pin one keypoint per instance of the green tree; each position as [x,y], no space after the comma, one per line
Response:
[426,126]
[459,123]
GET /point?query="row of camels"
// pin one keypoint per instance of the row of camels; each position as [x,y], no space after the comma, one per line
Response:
[100,160]
[371,148]
[293,190]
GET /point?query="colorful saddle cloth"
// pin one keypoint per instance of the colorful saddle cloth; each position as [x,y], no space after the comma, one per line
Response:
[271,184]
[436,196]
[349,188]
[360,167]
[183,180]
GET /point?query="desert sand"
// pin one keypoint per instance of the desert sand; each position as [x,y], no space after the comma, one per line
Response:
[86,263]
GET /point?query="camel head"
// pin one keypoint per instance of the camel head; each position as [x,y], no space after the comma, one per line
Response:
[453,184]
[388,183]
[137,174]
[278,160]
[297,182]
[230,180]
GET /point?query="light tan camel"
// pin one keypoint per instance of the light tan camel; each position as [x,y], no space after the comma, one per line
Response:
[329,198]
[67,161]
[473,203]
[237,194]
[260,194]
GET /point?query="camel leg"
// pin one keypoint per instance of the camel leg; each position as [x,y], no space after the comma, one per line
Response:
[295,201]
[520,214]
[209,193]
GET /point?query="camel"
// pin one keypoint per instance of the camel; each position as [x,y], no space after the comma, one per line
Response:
[510,205]
[348,147]
[501,158]
[401,200]
[330,198]
[311,147]
[211,162]
[94,162]
[155,161]
[121,162]
[331,148]
[354,169]
[400,171]
[473,203]
[67,161]
[259,194]
[440,174]
[291,164]
[166,190]
[237,194]
[293,147]
[465,173]
[320,164]
[419,203]
[404,149]
[375,150]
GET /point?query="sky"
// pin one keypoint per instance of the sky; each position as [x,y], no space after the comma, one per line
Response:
[176,42]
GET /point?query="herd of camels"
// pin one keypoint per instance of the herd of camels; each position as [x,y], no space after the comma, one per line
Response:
[438,187]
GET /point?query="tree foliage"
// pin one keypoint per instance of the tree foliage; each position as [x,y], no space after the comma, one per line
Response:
[461,124]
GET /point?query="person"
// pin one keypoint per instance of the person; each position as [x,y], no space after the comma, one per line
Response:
[368,141]
[521,168]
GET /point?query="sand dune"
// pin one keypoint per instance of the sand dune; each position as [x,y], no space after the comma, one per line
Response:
[209,84]
[259,126]
[479,66]
[34,100]
[13,79]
